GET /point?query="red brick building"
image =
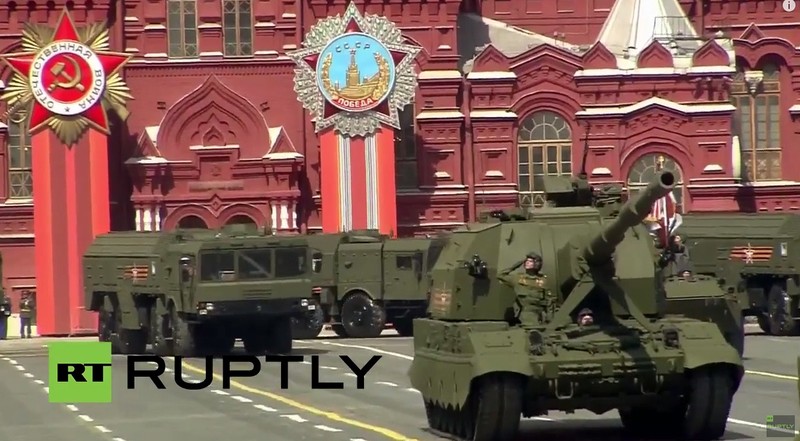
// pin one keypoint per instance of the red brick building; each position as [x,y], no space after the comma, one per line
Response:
[509,91]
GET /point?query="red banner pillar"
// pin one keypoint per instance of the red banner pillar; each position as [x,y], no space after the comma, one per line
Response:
[71,207]
[358,181]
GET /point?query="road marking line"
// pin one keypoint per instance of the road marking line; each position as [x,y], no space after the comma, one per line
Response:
[20,368]
[46,390]
[118,439]
[367,348]
[102,429]
[72,407]
[388,433]
[167,370]
[242,399]
[357,439]
[326,428]
[411,389]
[771,375]
[6,359]
[305,362]
[186,376]
[542,419]
[264,408]
[12,361]
[219,392]
[386,383]
[330,368]
[28,374]
[295,418]
[760,426]
[86,418]
[350,374]
[38,381]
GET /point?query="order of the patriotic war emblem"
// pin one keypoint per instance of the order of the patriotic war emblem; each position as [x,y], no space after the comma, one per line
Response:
[354,73]
[65,79]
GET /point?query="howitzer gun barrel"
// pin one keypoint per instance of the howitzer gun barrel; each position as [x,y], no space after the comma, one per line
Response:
[634,211]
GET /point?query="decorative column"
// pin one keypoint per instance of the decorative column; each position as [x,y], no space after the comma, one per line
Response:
[353,76]
[67,84]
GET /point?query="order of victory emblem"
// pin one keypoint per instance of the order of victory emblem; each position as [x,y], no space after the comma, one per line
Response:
[65,79]
[354,73]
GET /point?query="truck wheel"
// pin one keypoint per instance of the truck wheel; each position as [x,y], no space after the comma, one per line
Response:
[763,322]
[132,341]
[779,309]
[339,330]
[255,340]
[404,327]
[362,317]
[105,324]
[279,340]
[708,403]
[497,402]
[182,335]
[161,334]
[310,325]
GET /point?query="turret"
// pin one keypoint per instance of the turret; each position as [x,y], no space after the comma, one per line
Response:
[602,246]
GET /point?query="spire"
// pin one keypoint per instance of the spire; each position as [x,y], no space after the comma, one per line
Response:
[633,24]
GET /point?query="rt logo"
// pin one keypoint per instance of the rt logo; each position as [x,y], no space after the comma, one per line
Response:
[79,372]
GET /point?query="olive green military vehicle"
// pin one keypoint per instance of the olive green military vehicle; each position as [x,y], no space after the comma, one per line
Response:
[366,279]
[193,292]
[755,255]
[490,353]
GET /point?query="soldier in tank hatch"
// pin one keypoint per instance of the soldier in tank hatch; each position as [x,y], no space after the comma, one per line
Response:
[538,303]
[5,313]
[26,309]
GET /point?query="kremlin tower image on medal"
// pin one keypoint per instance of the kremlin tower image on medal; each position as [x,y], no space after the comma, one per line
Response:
[312,117]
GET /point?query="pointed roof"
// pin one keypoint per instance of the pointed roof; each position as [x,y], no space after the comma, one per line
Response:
[633,25]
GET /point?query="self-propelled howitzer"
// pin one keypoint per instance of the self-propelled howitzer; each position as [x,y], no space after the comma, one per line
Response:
[483,358]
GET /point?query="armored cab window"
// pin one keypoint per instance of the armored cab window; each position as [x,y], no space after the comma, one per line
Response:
[217,266]
[290,262]
[404,263]
[254,264]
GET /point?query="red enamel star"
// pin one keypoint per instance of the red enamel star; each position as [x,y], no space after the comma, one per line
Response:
[66,78]
[331,110]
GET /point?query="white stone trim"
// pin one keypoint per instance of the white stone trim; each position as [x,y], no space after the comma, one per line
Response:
[655,71]
[492,75]
[439,75]
[493,114]
[439,114]
[656,101]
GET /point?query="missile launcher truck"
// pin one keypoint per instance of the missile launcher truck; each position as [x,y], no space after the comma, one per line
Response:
[365,279]
[755,256]
[482,359]
[193,292]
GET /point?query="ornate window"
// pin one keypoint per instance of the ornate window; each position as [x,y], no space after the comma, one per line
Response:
[544,144]
[237,19]
[405,151]
[756,95]
[182,27]
[645,170]
[20,162]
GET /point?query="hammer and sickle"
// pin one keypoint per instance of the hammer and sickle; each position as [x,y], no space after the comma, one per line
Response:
[71,81]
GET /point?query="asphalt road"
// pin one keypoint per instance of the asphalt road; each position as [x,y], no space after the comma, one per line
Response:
[386,409]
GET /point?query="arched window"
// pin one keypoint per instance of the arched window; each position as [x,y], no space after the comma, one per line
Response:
[645,171]
[756,95]
[237,21]
[241,219]
[405,151]
[192,221]
[545,149]
[20,163]
[182,28]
